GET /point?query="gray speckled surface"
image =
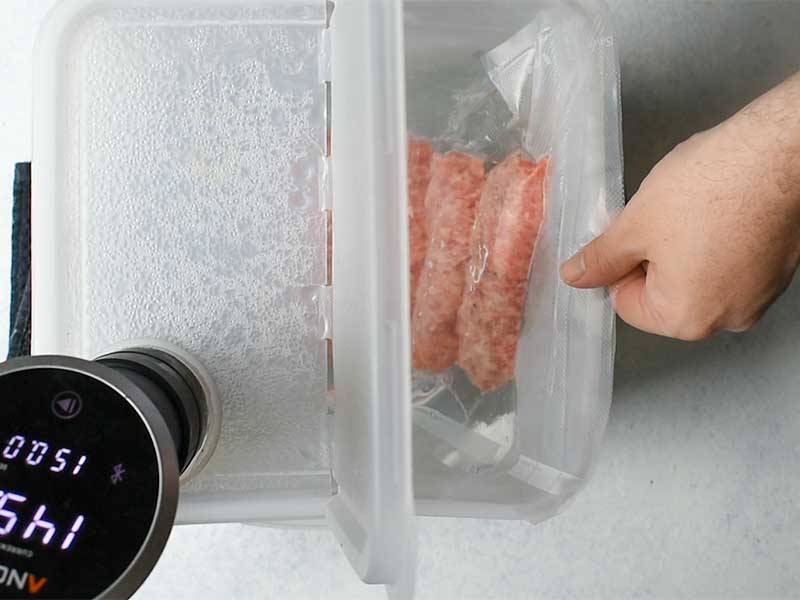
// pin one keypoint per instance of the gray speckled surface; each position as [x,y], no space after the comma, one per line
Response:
[696,494]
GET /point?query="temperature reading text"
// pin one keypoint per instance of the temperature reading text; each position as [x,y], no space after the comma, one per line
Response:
[39,453]
[13,447]
[36,455]
[36,527]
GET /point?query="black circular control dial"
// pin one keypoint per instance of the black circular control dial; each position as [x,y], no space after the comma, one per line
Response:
[90,458]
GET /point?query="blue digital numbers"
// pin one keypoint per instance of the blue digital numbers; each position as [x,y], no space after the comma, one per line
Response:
[38,453]
[61,460]
[39,522]
[9,515]
[13,447]
[38,528]
[79,466]
[73,531]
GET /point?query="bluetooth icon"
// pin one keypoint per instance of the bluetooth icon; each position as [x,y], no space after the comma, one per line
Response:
[118,474]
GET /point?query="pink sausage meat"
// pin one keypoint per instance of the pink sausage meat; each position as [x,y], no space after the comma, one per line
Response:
[510,216]
[451,202]
[420,157]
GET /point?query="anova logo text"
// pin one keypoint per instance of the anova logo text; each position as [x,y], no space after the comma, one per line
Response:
[21,580]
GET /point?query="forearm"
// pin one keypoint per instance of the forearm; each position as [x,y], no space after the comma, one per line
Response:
[770,126]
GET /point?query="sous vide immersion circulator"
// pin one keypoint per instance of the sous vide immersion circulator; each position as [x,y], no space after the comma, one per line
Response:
[91,457]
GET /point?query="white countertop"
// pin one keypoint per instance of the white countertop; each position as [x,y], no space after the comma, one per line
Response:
[697,493]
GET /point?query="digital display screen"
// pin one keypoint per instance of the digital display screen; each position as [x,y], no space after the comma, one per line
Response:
[79,484]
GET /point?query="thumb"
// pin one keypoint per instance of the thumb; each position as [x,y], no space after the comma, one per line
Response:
[605,260]
[632,302]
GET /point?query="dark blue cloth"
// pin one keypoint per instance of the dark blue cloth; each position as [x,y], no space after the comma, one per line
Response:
[19,338]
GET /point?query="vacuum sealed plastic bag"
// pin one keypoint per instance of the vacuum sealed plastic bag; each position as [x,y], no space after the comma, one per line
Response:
[517,149]
[473,238]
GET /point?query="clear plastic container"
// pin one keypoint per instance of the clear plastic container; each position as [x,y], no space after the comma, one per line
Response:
[183,190]
[525,450]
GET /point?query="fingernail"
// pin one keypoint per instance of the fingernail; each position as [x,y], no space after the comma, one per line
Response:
[574,268]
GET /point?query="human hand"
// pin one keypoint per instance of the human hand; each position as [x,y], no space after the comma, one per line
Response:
[712,238]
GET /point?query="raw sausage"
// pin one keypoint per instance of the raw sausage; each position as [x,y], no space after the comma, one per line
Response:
[420,157]
[510,216]
[451,201]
